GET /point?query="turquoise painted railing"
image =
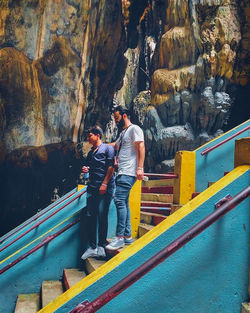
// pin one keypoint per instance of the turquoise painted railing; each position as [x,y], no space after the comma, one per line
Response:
[212,166]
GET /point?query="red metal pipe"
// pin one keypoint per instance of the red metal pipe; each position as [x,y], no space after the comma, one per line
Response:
[223,141]
[163,254]
[40,222]
[165,176]
[36,216]
[40,245]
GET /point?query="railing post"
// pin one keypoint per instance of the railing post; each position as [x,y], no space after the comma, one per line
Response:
[135,207]
[184,185]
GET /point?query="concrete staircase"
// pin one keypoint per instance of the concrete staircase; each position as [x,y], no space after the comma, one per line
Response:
[157,196]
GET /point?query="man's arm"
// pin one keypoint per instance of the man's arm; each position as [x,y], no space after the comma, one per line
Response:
[110,153]
[140,156]
[104,184]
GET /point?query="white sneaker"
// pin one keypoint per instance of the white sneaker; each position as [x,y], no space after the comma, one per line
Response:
[90,252]
[101,252]
[116,243]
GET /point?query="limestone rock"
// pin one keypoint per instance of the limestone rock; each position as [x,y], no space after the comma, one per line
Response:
[140,106]
[177,48]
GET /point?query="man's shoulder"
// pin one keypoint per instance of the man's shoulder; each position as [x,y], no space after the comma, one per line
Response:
[108,147]
[137,127]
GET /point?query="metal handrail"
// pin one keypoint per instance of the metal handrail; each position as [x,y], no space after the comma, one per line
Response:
[40,222]
[35,217]
[165,176]
[40,245]
[90,307]
[207,150]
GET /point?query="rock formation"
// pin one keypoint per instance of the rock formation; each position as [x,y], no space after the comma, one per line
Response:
[182,67]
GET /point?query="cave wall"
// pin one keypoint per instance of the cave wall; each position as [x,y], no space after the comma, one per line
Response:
[60,63]
[195,65]
[182,67]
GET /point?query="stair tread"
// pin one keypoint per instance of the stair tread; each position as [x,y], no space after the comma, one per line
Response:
[152,214]
[72,276]
[143,229]
[157,197]
[146,225]
[28,303]
[158,182]
[51,289]
[92,264]
[156,202]
[152,218]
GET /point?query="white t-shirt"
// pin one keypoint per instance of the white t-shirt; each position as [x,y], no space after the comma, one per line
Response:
[127,160]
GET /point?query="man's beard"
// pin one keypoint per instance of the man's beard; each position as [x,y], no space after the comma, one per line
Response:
[120,125]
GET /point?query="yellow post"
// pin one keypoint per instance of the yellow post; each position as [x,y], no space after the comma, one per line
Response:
[79,187]
[135,207]
[184,185]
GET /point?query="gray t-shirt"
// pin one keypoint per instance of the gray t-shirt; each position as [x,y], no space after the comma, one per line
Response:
[127,160]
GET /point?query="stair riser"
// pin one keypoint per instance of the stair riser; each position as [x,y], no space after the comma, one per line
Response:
[159,189]
[158,219]
[29,303]
[50,291]
[71,277]
[93,264]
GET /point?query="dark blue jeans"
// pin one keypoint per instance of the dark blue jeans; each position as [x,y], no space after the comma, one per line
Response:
[97,214]
[124,183]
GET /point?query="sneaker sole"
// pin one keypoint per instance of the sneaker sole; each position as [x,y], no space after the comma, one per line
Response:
[115,248]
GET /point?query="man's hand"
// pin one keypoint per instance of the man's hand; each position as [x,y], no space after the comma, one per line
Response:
[103,189]
[85,169]
[139,173]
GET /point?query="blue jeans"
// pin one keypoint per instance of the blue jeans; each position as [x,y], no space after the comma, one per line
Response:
[124,183]
[97,215]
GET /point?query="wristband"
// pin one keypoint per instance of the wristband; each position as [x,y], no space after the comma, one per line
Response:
[140,168]
[104,184]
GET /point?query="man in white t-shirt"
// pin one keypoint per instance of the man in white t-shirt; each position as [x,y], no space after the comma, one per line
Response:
[130,155]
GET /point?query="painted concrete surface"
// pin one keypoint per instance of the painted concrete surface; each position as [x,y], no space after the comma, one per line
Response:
[42,228]
[211,167]
[209,274]
[63,252]
[48,262]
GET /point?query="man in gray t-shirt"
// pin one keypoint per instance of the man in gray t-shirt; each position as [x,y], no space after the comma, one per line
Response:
[130,155]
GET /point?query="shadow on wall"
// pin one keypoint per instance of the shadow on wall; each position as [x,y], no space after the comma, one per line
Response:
[28,177]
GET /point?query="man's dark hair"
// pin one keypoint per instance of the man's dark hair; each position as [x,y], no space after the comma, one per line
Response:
[96,130]
[121,110]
